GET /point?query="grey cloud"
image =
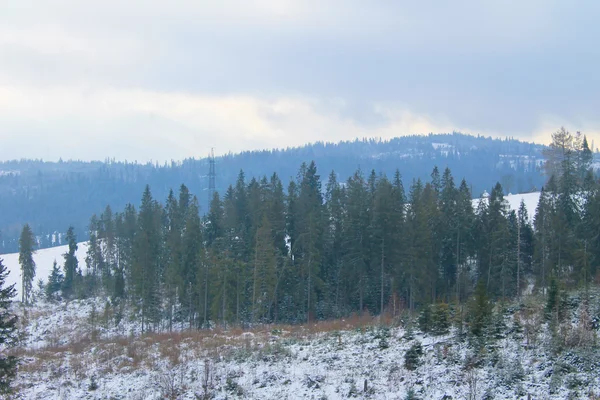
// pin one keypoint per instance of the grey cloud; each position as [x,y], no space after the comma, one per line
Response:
[498,66]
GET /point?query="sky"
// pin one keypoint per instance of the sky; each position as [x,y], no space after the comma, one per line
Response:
[165,80]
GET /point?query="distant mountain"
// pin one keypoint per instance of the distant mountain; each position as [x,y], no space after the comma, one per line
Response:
[53,195]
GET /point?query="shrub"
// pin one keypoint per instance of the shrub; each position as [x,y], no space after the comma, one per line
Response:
[412,356]
[440,319]
[425,319]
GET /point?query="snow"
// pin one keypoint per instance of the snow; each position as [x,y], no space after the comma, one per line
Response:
[278,362]
[514,201]
[44,259]
[437,146]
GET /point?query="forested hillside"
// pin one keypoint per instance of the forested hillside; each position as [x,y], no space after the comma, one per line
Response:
[470,299]
[265,254]
[53,195]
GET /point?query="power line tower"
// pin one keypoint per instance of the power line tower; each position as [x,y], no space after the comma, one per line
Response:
[211,176]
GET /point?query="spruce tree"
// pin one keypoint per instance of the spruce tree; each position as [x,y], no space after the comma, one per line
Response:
[480,311]
[356,241]
[145,274]
[191,260]
[26,250]
[55,281]
[8,331]
[72,273]
[309,241]
[264,274]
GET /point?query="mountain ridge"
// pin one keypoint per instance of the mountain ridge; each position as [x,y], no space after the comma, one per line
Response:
[51,196]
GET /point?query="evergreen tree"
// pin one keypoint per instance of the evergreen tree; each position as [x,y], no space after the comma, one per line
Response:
[356,241]
[55,281]
[385,221]
[265,272]
[72,272]
[26,250]
[146,260]
[94,259]
[109,249]
[420,276]
[192,260]
[525,245]
[480,311]
[465,239]
[126,226]
[309,242]
[8,331]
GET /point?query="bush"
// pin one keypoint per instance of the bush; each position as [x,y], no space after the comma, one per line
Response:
[412,356]
[425,319]
[411,395]
[383,334]
[93,384]
[440,319]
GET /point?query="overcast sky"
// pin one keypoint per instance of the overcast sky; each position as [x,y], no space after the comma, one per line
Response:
[144,79]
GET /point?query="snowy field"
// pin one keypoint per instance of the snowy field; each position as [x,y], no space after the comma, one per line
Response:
[44,259]
[514,201]
[354,358]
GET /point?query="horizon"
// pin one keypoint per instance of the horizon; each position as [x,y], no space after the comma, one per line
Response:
[229,153]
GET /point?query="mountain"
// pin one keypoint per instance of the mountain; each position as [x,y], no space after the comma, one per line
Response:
[50,196]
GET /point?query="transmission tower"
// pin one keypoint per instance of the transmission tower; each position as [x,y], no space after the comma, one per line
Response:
[211,175]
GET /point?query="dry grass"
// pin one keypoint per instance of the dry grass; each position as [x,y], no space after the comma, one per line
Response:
[131,353]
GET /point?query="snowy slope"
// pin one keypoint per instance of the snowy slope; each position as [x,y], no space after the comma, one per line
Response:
[44,259]
[514,201]
[330,361]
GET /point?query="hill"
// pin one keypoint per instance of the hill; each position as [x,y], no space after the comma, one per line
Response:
[50,196]
[75,350]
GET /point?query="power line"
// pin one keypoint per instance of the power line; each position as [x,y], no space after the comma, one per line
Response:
[211,175]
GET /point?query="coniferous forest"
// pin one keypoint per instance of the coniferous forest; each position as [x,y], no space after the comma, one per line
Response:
[373,243]
[51,196]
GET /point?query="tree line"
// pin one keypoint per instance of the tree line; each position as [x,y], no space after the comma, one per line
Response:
[262,253]
[51,196]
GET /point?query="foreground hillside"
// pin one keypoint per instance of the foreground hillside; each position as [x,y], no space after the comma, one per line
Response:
[74,350]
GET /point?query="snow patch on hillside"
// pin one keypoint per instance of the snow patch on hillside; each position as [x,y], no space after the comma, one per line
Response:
[514,202]
[44,259]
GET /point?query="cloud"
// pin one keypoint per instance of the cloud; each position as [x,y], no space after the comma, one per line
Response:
[253,74]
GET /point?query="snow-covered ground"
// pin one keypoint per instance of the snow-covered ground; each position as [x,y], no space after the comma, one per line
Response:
[514,202]
[356,358]
[44,259]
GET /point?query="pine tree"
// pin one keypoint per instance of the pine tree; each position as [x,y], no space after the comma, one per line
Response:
[480,311]
[26,250]
[8,331]
[94,259]
[264,274]
[448,232]
[310,238]
[356,241]
[72,272]
[126,226]
[145,274]
[465,240]
[55,281]
[109,249]
[192,260]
